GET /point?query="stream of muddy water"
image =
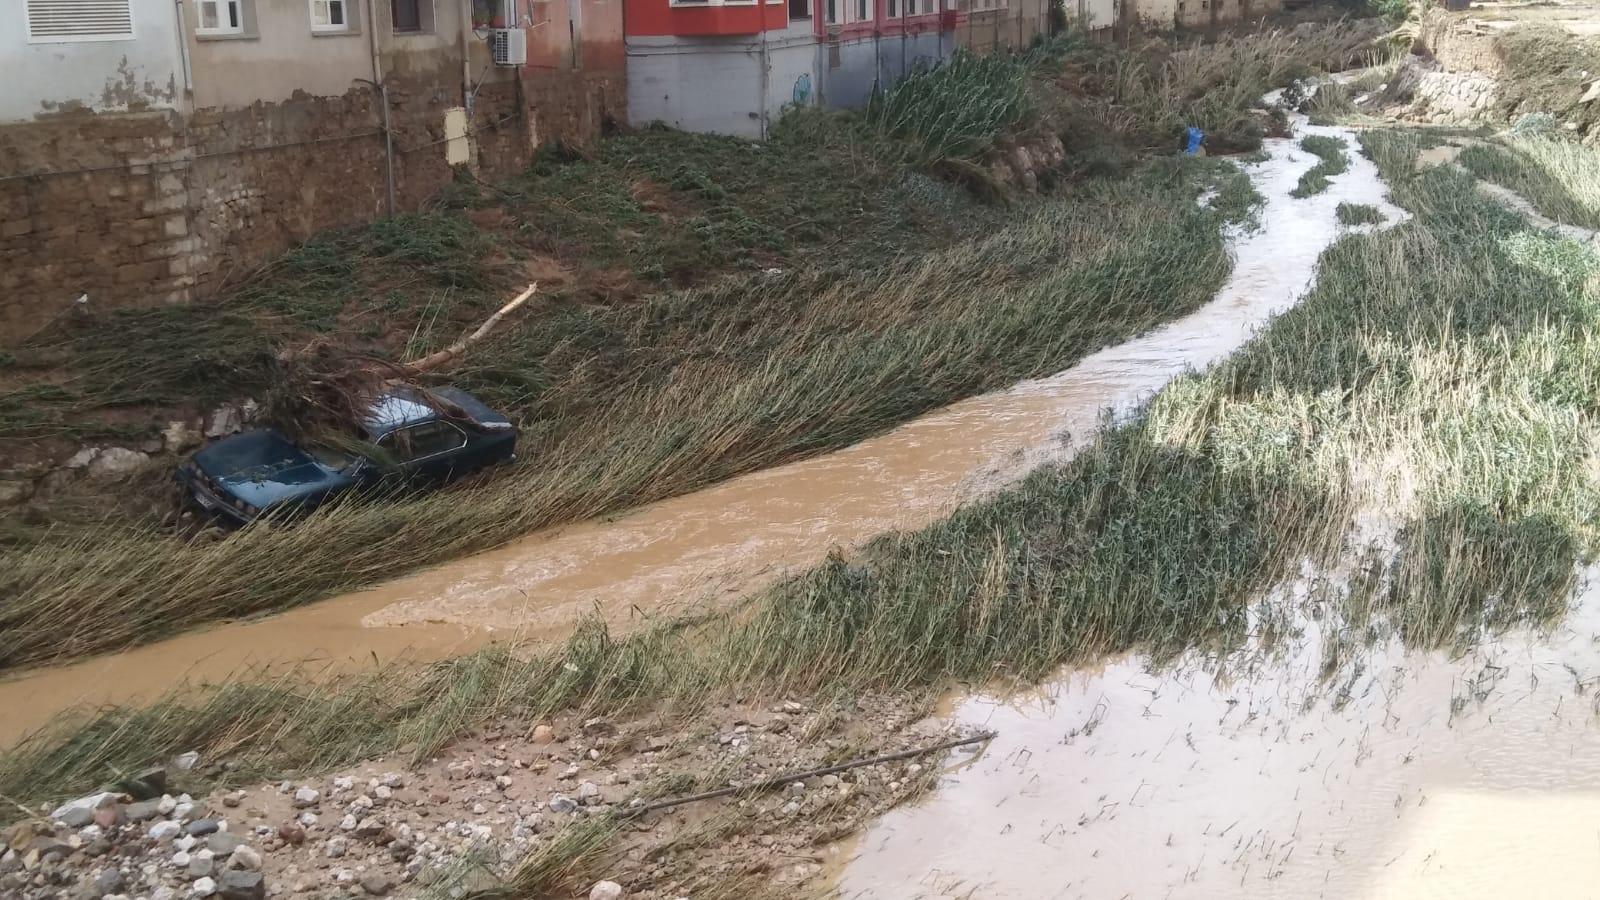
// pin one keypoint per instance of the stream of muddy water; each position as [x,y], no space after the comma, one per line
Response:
[1406,775]
[696,549]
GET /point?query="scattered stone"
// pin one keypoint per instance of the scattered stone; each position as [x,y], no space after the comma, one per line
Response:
[233,799]
[245,857]
[343,783]
[109,881]
[392,780]
[561,803]
[588,793]
[308,819]
[202,862]
[202,827]
[80,812]
[544,734]
[186,842]
[305,797]
[165,830]
[222,843]
[335,848]
[292,834]
[204,887]
[656,743]
[348,823]
[242,885]
[166,804]
[605,890]
[377,884]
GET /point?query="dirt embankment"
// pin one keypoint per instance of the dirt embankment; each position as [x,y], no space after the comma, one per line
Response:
[1501,64]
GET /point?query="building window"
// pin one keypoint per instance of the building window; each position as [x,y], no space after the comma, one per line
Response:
[894,8]
[62,21]
[862,8]
[220,17]
[330,15]
[833,12]
[411,16]
[799,9]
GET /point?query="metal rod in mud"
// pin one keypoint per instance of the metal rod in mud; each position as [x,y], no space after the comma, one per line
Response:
[779,781]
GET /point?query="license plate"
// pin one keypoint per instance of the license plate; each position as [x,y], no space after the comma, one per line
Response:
[206,503]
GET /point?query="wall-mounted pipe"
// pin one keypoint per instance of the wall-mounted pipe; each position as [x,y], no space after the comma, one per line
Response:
[383,99]
[183,49]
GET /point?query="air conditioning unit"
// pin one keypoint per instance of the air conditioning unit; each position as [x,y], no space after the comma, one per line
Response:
[510,46]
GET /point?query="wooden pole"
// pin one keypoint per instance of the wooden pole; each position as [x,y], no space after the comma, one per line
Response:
[779,781]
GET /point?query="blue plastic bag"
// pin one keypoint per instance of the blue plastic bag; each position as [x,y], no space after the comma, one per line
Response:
[1192,138]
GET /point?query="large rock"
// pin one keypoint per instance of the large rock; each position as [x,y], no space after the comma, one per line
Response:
[14,493]
[226,420]
[114,462]
[179,436]
[605,890]
[239,884]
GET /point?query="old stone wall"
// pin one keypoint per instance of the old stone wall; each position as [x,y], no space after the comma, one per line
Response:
[575,107]
[162,207]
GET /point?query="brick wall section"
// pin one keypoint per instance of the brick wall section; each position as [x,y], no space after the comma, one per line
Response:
[179,206]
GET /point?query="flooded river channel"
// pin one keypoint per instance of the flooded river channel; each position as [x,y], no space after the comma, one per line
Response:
[678,554]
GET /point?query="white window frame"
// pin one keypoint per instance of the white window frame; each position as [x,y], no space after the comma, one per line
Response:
[77,38]
[221,29]
[346,10]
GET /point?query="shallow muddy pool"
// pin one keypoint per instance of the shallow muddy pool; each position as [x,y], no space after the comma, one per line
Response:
[1405,775]
[730,538]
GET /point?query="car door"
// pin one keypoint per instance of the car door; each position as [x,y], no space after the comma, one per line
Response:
[427,451]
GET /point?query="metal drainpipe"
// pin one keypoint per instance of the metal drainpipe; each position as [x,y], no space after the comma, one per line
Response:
[766,74]
[383,98]
[464,10]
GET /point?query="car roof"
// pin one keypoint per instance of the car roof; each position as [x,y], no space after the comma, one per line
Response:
[396,408]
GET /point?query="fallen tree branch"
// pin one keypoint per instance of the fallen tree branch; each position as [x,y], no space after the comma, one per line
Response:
[435,360]
[778,781]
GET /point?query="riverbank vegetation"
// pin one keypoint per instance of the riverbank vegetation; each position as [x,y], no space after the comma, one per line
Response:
[1332,161]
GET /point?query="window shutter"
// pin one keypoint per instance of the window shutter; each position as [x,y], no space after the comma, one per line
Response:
[78,19]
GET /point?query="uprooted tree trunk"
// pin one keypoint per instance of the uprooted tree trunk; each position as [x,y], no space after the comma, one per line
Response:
[324,387]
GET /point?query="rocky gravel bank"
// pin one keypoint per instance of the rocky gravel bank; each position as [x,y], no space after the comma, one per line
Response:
[461,821]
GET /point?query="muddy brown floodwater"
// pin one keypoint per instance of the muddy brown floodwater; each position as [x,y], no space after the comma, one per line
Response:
[1406,775]
[676,555]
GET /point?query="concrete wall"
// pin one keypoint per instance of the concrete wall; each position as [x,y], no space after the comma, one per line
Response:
[44,79]
[852,69]
[1201,14]
[714,84]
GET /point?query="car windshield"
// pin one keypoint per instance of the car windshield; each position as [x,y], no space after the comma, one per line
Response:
[335,459]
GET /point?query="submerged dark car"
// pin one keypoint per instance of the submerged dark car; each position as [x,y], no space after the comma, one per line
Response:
[408,436]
